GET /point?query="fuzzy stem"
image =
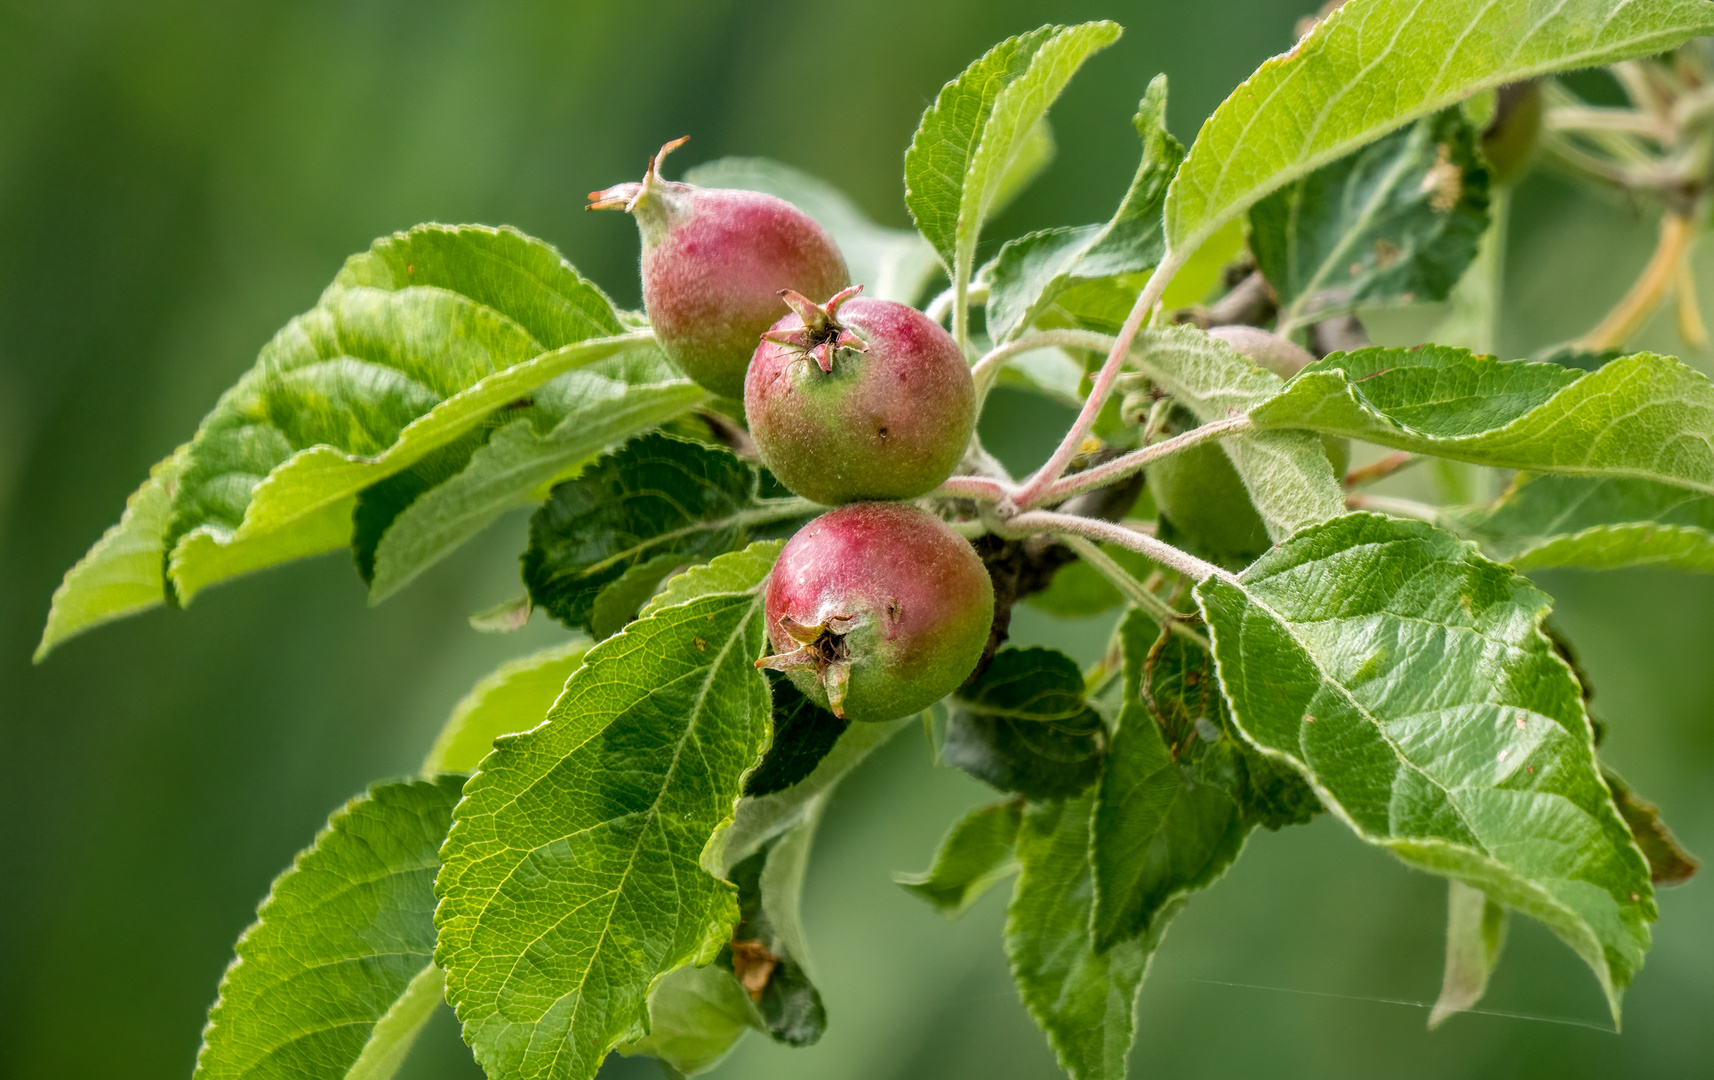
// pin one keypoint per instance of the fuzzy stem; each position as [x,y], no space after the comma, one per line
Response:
[1387,504]
[941,306]
[987,369]
[1650,288]
[1109,373]
[1134,591]
[1046,521]
[972,487]
[1121,467]
[961,308]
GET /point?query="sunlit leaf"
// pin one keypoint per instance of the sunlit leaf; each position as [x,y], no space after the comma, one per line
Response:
[1375,65]
[969,138]
[572,875]
[1409,680]
[416,343]
[1031,271]
[335,978]
[1643,417]
[123,573]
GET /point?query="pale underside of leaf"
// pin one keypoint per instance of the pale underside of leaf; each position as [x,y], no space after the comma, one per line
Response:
[1374,65]
[1289,479]
[1409,681]
[572,881]
[1475,930]
[1641,417]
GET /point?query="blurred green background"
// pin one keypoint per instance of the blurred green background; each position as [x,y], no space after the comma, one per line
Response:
[179,177]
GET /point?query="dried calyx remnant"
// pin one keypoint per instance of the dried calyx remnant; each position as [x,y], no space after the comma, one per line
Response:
[821,650]
[822,333]
[877,610]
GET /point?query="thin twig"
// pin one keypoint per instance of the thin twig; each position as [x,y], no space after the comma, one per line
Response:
[1046,521]
[1649,290]
[1386,504]
[1380,470]
[1133,590]
[987,369]
[1121,467]
[1104,379]
[1599,118]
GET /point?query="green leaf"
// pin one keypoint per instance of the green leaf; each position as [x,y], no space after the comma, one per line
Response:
[890,264]
[1475,930]
[804,734]
[335,979]
[696,1016]
[767,951]
[1645,417]
[1287,474]
[1023,726]
[1083,998]
[415,344]
[572,879]
[1547,521]
[969,138]
[1032,271]
[634,516]
[976,854]
[589,411]
[1396,222]
[1166,820]
[1410,682]
[123,573]
[514,698]
[1376,65]
[1669,863]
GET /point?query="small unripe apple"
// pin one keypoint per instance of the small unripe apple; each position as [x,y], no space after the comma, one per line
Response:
[859,399]
[877,610]
[714,262]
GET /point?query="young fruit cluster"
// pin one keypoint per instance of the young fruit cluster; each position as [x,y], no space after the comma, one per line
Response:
[876,609]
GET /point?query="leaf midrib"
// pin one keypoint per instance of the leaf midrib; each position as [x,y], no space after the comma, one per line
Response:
[650,814]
